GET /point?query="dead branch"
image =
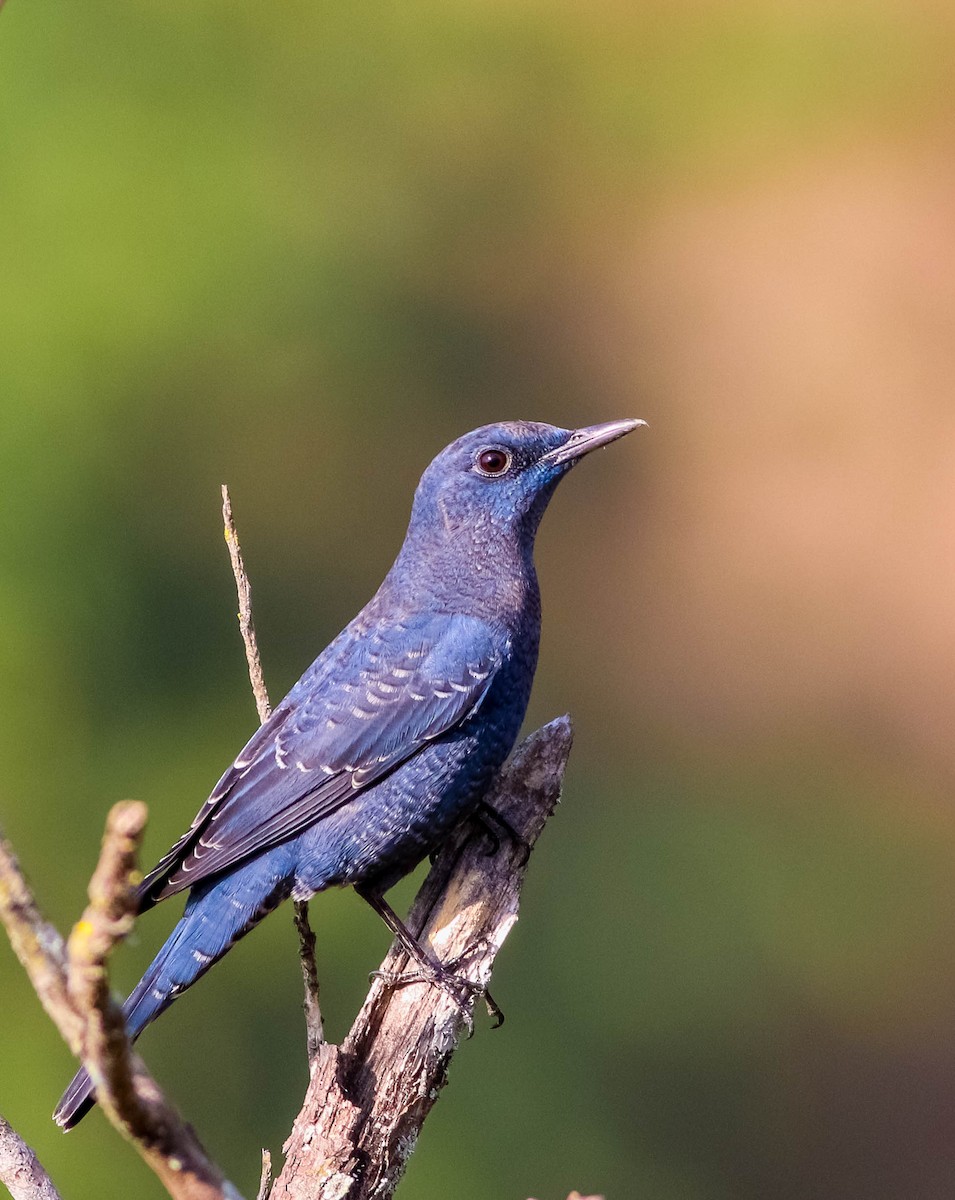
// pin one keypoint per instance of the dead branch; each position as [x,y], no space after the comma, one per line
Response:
[20,1170]
[73,988]
[129,1096]
[368,1099]
[314,1030]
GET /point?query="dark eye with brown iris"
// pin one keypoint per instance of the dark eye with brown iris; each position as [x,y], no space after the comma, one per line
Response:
[493,462]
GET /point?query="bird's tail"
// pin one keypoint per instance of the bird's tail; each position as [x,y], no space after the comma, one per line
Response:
[214,920]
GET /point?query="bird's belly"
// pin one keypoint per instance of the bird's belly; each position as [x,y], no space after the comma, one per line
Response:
[387,830]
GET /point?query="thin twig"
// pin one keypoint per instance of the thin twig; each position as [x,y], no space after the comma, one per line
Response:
[306,950]
[246,624]
[265,1180]
[21,1172]
[38,946]
[368,1099]
[106,921]
[314,1031]
[74,990]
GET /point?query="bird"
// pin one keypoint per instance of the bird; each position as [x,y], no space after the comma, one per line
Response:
[391,737]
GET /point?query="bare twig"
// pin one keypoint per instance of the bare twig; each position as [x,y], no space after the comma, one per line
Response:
[20,1170]
[314,1031]
[306,951]
[129,1096]
[265,1180]
[74,990]
[246,624]
[106,922]
[368,1099]
[38,946]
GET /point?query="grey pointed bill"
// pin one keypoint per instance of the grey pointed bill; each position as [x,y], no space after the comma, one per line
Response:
[582,441]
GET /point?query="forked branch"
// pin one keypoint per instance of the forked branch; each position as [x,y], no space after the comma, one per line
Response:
[73,987]
[367,1099]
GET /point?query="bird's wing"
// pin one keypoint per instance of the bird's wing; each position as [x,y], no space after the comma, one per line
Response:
[352,718]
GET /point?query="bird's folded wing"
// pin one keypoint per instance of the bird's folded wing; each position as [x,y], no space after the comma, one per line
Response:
[358,713]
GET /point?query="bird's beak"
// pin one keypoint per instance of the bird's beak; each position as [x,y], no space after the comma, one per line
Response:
[582,441]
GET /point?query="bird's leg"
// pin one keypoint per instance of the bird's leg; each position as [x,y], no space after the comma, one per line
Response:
[493,824]
[458,987]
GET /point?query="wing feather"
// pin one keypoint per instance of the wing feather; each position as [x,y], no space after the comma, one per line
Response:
[361,710]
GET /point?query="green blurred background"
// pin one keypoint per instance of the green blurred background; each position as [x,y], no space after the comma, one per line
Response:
[299,248]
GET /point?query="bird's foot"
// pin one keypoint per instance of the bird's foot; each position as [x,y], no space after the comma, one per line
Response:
[492,825]
[462,990]
[494,1010]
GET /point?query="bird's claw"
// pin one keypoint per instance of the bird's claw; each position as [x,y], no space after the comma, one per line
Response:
[491,822]
[494,1010]
[462,990]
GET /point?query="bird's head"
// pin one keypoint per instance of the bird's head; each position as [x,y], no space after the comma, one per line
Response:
[496,481]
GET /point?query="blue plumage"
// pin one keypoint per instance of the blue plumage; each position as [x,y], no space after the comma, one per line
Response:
[393,734]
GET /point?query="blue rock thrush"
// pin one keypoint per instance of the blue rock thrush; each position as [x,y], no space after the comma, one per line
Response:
[392,735]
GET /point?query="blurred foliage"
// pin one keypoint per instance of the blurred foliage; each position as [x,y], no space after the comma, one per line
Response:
[298,248]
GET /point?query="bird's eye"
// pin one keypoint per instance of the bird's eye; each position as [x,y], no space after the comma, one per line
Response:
[493,462]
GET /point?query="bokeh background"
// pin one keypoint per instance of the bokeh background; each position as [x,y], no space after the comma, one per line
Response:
[300,247]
